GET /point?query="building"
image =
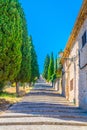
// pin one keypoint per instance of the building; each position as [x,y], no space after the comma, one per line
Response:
[74,60]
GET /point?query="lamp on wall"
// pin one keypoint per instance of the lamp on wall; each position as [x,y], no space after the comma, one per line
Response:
[61,53]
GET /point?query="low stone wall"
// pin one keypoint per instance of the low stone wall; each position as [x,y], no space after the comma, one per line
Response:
[58,85]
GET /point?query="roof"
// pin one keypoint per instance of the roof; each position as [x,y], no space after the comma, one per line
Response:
[78,24]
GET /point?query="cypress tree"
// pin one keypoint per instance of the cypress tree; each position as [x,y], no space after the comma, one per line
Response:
[46,66]
[34,68]
[10,40]
[59,68]
[23,75]
[56,65]
[51,67]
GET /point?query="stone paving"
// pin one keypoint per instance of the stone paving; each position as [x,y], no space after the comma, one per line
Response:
[43,109]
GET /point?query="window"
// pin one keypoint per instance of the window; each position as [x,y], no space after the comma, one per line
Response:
[84,39]
[71,85]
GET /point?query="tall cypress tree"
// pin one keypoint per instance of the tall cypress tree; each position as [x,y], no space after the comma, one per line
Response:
[46,66]
[51,67]
[34,68]
[56,65]
[10,40]
[59,68]
[23,75]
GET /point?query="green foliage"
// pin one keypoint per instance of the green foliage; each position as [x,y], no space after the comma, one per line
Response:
[1,86]
[6,95]
[33,64]
[18,59]
[46,66]
[51,67]
[23,75]
[10,39]
[56,65]
[53,77]
[59,68]
[29,65]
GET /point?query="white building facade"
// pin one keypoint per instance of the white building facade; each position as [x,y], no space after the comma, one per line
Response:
[74,60]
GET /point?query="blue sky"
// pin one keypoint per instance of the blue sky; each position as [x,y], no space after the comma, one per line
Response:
[50,23]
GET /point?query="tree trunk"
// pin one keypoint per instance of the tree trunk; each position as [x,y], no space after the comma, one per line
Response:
[24,86]
[52,84]
[17,89]
[29,84]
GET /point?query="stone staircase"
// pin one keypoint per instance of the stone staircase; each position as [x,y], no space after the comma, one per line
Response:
[46,110]
[44,107]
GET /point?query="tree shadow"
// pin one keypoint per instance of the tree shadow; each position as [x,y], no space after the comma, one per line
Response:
[43,86]
[44,93]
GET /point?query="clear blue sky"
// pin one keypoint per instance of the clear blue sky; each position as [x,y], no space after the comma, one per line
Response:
[50,23]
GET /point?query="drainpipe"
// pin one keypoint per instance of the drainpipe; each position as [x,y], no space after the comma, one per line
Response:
[79,60]
[74,100]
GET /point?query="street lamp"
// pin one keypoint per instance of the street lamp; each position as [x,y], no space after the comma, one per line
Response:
[66,58]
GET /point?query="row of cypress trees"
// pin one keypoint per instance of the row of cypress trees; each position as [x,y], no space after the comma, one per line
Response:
[18,59]
[48,67]
[52,68]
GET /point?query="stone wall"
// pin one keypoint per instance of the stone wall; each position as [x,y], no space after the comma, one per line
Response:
[83,88]
[75,77]
[83,69]
[72,75]
[80,79]
[58,85]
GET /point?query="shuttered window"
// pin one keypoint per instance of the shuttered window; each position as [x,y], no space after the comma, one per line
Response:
[84,39]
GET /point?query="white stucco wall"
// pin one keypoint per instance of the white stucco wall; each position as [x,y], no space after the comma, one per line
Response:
[73,71]
[83,69]
[74,74]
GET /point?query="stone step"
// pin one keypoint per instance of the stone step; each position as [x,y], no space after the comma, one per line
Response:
[40,121]
[48,113]
[46,105]
[21,115]
[43,127]
[47,110]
